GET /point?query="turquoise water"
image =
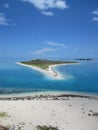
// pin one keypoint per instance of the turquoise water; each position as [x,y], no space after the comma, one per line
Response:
[78,78]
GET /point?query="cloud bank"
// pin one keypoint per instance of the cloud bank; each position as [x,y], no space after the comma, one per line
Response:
[47,13]
[95,15]
[53,47]
[46,5]
[3,19]
[44,50]
[55,44]
[95,12]
[95,18]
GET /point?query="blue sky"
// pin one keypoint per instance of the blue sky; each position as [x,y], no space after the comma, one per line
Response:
[49,28]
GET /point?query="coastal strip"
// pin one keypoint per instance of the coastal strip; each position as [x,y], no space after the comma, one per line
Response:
[46,96]
[50,72]
[63,112]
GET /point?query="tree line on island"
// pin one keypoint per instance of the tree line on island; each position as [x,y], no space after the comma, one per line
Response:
[44,64]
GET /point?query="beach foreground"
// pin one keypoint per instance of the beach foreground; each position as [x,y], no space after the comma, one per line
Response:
[66,112]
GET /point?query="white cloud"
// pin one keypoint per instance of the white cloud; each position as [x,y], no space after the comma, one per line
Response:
[54,47]
[3,19]
[47,13]
[44,50]
[95,12]
[48,4]
[6,5]
[95,18]
[55,44]
[61,4]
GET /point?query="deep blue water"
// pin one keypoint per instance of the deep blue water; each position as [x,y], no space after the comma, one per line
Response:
[78,78]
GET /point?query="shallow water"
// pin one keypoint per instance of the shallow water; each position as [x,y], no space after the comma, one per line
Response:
[78,78]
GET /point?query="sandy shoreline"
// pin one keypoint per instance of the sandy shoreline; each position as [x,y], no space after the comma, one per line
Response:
[54,93]
[66,112]
[45,96]
[50,72]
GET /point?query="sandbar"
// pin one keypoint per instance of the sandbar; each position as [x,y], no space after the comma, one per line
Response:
[50,72]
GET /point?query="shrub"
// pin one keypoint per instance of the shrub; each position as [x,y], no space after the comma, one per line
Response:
[46,128]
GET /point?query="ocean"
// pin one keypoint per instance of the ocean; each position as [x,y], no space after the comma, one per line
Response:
[81,78]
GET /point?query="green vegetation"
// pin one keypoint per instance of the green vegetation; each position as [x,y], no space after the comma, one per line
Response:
[6,128]
[3,114]
[46,128]
[44,64]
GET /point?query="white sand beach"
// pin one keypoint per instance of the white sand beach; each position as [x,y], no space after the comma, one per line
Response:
[50,72]
[65,113]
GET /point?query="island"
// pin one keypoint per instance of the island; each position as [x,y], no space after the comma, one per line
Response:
[46,66]
[84,59]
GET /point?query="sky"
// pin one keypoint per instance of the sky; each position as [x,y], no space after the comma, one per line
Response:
[49,28]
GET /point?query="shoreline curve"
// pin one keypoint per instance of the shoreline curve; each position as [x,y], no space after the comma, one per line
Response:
[50,72]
